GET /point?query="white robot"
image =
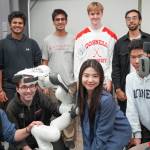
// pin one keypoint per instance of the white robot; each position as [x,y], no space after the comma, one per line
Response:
[43,134]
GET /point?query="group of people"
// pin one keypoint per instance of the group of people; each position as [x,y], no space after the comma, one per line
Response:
[98,61]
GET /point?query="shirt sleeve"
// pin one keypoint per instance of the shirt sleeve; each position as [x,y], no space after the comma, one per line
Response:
[78,53]
[116,67]
[131,112]
[8,128]
[105,123]
[110,55]
[1,55]
[45,49]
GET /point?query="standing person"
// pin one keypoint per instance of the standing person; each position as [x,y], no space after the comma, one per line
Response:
[58,47]
[138,97]
[104,126]
[28,105]
[121,62]
[58,52]
[17,52]
[95,42]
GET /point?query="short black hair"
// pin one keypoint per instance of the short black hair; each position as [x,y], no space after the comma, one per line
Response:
[136,11]
[135,44]
[58,12]
[17,14]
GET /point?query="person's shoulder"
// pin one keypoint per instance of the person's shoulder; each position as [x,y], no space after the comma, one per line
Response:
[48,38]
[110,32]
[70,36]
[82,32]
[8,37]
[145,34]
[122,38]
[31,40]
[13,104]
[105,97]
[131,77]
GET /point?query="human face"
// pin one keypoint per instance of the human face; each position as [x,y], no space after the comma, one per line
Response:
[17,26]
[26,92]
[135,55]
[95,18]
[90,79]
[132,21]
[60,22]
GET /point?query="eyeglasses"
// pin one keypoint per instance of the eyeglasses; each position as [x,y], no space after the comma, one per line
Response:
[30,87]
[132,18]
[59,19]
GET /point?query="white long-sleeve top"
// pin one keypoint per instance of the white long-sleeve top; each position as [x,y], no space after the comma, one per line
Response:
[94,44]
[138,102]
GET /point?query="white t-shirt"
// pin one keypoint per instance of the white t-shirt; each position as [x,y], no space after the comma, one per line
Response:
[59,52]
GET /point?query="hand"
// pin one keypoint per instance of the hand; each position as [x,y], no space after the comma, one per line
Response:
[29,127]
[108,85]
[26,148]
[120,95]
[134,142]
[3,97]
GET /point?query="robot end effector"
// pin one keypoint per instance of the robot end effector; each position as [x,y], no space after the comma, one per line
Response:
[144,62]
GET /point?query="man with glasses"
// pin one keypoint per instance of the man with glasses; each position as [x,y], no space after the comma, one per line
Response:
[58,54]
[138,96]
[121,62]
[58,48]
[28,105]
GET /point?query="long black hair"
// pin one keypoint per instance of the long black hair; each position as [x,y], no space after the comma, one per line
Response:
[82,92]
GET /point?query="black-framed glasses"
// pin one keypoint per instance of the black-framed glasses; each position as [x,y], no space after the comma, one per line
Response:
[30,87]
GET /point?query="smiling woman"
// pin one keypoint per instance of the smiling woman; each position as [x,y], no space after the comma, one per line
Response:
[103,125]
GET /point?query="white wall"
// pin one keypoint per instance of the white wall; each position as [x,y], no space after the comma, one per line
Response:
[4,11]
[146,16]
[114,11]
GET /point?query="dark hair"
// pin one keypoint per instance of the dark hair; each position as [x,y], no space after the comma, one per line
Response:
[82,92]
[135,44]
[17,14]
[58,12]
[136,11]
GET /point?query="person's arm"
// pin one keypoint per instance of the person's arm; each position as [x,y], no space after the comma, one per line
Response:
[131,112]
[116,74]
[105,123]
[116,67]
[44,62]
[21,134]
[3,97]
[37,54]
[11,112]
[108,71]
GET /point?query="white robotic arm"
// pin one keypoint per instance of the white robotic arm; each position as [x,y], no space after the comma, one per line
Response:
[45,78]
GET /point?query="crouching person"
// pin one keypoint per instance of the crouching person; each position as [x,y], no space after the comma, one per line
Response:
[28,105]
[138,95]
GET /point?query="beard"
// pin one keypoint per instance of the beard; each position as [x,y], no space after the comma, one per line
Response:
[133,27]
